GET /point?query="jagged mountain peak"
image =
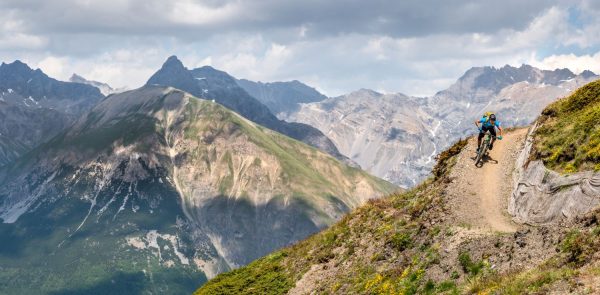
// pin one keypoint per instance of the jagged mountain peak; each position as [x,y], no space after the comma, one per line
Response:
[17,64]
[173,61]
[493,77]
[173,70]
[15,70]
[587,74]
[76,77]
[282,98]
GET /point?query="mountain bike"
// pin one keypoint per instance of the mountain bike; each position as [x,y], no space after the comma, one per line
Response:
[483,149]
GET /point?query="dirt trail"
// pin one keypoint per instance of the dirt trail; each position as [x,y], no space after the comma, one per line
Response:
[479,196]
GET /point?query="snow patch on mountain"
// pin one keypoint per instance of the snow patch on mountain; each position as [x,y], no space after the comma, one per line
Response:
[151,242]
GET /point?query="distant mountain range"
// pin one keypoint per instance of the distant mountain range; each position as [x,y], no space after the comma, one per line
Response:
[396,137]
[35,107]
[282,98]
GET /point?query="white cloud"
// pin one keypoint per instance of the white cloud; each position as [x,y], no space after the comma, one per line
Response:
[123,42]
[575,63]
[13,37]
[255,64]
[197,13]
[53,66]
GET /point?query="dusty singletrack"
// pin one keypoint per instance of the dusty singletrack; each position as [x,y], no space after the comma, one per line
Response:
[478,196]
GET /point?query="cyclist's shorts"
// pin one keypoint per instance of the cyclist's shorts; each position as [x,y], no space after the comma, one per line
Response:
[491,129]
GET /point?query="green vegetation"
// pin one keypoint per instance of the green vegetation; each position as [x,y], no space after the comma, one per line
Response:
[393,223]
[468,265]
[90,259]
[568,136]
[576,253]
[263,276]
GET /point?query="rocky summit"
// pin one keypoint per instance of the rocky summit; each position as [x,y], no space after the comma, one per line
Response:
[155,190]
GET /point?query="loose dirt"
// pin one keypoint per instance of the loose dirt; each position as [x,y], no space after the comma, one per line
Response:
[479,195]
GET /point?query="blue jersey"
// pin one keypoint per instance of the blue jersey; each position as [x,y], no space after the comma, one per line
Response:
[487,123]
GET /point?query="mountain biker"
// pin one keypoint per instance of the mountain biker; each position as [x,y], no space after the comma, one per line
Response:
[488,123]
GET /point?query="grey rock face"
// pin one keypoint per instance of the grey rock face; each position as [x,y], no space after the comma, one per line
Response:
[516,95]
[209,83]
[542,196]
[388,135]
[282,98]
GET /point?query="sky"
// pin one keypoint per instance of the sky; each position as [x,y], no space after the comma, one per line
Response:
[413,47]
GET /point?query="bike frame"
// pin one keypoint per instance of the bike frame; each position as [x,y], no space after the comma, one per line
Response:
[485,145]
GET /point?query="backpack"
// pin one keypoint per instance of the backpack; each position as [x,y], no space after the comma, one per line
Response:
[487,115]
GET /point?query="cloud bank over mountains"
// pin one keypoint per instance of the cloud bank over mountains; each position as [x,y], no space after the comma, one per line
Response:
[415,47]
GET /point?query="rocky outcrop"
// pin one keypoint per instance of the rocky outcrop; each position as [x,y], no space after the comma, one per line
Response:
[542,196]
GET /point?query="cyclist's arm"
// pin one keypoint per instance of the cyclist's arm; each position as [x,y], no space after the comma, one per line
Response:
[477,124]
[500,129]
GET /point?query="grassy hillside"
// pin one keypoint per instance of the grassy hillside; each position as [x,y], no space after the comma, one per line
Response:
[362,244]
[568,137]
[402,244]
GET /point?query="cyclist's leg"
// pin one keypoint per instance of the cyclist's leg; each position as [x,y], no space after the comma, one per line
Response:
[493,132]
[481,134]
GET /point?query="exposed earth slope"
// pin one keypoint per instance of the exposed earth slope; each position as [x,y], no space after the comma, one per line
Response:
[479,196]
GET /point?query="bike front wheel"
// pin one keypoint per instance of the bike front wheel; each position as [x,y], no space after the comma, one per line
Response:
[479,159]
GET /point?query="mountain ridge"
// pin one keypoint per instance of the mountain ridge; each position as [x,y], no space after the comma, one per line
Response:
[35,107]
[207,82]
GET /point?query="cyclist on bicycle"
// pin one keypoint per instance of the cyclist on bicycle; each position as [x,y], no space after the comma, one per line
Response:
[488,123]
